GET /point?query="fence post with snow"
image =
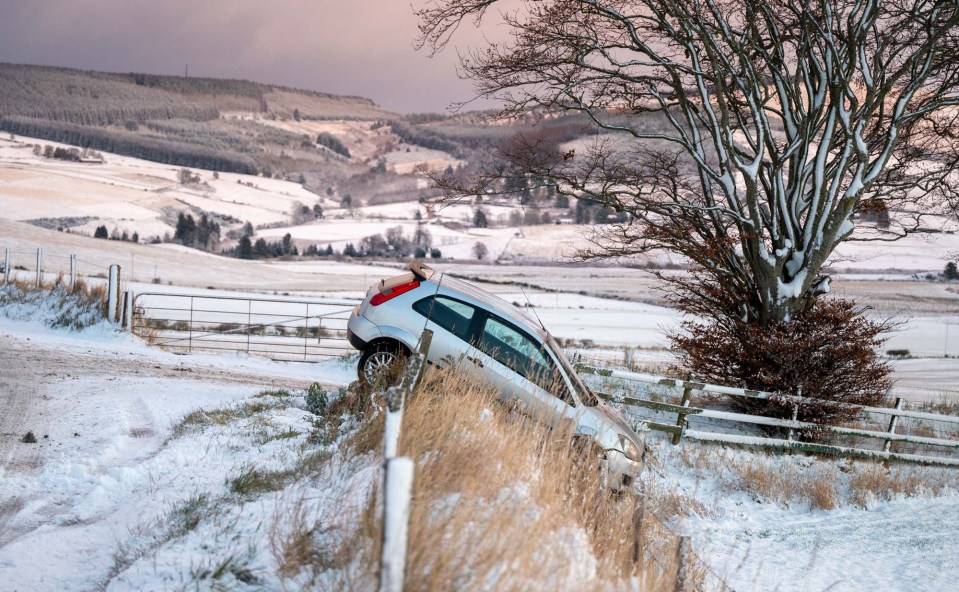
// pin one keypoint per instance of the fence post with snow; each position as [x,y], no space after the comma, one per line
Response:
[398,474]
[6,266]
[39,266]
[113,293]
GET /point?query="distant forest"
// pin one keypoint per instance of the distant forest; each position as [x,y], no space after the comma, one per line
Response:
[132,144]
[168,119]
[177,120]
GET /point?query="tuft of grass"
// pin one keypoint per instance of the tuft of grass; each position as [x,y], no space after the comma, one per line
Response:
[278,393]
[274,435]
[253,481]
[502,502]
[295,543]
[871,483]
[226,572]
[223,416]
[822,483]
[182,519]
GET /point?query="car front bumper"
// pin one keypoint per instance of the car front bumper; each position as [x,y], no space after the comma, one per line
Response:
[622,471]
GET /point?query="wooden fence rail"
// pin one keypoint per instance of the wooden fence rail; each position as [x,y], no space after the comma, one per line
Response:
[683,411]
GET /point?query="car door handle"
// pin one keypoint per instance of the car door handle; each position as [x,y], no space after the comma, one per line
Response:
[475,361]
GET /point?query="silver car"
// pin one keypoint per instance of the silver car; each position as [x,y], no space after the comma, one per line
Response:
[497,343]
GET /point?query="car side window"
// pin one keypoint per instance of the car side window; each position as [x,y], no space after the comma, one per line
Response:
[516,351]
[452,315]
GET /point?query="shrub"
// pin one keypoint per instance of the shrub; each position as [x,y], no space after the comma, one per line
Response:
[828,354]
[316,399]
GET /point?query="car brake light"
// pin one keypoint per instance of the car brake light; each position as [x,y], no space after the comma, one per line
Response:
[381,297]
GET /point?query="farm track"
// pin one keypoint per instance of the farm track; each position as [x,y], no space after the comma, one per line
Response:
[28,374]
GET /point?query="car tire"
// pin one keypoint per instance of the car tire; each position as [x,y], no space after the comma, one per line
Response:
[378,358]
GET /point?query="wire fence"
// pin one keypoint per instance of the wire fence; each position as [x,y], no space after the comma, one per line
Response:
[39,265]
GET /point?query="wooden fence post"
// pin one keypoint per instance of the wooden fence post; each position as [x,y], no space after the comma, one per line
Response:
[395,399]
[39,264]
[893,422]
[795,416]
[638,514]
[681,417]
[682,558]
[398,474]
[113,292]
[396,517]
[73,270]
[6,266]
[128,311]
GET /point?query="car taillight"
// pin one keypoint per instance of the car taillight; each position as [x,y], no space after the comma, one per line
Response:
[381,297]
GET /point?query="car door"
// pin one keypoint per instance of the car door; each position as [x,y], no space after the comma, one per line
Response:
[452,322]
[518,364]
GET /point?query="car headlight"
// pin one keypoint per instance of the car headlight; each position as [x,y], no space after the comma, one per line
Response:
[628,448]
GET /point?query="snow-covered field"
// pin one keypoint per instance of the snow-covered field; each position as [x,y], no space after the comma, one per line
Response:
[115,496]
[86,507]
[755,534]
[136,195]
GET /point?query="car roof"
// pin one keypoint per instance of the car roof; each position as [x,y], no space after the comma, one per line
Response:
[453,286]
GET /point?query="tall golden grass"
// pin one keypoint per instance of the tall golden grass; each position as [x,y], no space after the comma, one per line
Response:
[500,502]
[80,293]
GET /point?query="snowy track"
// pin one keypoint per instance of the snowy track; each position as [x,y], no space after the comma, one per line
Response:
[99,402]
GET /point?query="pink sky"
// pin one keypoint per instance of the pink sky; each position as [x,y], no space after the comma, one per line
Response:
[359,47]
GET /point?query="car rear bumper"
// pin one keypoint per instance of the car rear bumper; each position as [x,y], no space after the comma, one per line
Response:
[360,331]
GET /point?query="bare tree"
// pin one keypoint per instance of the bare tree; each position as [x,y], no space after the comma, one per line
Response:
[480,250]
[743,134]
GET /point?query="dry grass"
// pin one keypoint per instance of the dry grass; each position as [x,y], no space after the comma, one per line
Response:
[870,483]
[822,484]
[74,306]
[499,503]
[504,503]
[204,417]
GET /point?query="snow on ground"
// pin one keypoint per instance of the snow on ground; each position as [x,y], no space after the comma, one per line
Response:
[105,470]
[131,194]
[104,500]
[754,542]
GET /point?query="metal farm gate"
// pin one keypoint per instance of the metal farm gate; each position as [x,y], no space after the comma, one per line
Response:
[280,329]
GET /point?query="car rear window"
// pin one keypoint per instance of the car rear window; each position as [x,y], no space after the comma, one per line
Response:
[452,315]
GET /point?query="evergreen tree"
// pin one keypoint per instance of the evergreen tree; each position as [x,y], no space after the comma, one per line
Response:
[245,248]
[260,249]
[186,229]
[951,272]
[479,219]
[101,232]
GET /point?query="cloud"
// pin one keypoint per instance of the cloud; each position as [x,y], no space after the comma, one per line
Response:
[359,47]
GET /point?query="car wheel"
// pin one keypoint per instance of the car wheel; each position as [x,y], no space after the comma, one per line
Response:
[377,361]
